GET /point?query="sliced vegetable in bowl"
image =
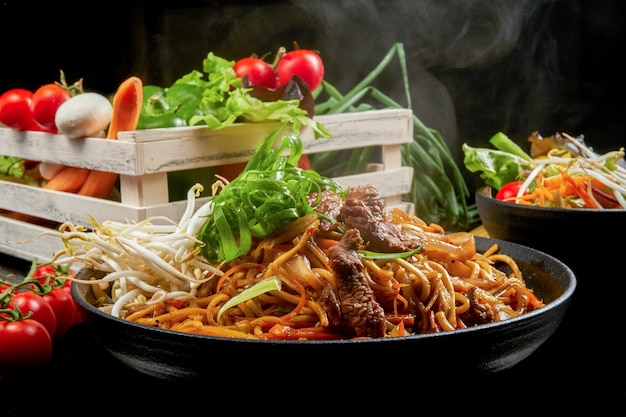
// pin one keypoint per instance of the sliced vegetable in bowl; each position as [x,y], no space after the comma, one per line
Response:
[560,172]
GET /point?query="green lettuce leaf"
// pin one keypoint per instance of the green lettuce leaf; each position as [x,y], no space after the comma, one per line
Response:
[496,167]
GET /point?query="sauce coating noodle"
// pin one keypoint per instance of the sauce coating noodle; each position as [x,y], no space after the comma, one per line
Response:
[445,286]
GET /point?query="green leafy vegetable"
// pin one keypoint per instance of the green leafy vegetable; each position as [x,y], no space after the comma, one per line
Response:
[14,169]
[11,166]
[169,107]
[504,143]
[216,97]
[497,166]
[270,192]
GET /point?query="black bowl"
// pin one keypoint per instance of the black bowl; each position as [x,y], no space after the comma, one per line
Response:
[484,349]
[587,240]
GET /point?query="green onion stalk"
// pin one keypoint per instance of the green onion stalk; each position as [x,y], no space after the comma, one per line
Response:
[438,190]
[270,192]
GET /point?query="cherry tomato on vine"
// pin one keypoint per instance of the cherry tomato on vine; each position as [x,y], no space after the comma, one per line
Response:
[77,318]
[67,287]
[24,344]
[45,274]
[306,63]
[258,71]
[15,109]
[62,303]
[45,102]
[509,190]
[40,309]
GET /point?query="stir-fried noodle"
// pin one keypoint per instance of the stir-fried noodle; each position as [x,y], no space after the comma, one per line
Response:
[288,285]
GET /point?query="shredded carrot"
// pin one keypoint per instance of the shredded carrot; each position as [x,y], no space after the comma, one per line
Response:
[324,243]
[405,319]
[302,301]
[533,301]
[401,329]
[556,181]
[547,189]
[543,191]
[579,189]
[280,331]
[217,331]
[232,270]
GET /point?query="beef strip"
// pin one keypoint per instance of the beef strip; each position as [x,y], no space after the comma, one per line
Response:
[329,206]
[329,301]
[365,210]
[359,310]
[368,194]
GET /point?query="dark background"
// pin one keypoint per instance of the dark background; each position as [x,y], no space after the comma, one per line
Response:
[476,66]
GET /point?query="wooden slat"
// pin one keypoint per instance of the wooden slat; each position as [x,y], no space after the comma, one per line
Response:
[191,148]
[164,150]
[388,183]
[144,190]
[93,153]
[64,207]
[143,159]
[17,239]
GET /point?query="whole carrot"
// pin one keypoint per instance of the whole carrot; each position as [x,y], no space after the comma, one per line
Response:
[126,107]
[126,110]
[68,179]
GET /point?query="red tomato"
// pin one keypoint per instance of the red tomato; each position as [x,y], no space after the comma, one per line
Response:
[305,63]
[304,162]
[46,100]
[258,71]
[15,109]
[29,302]
[509,190]
[24,344]
[45,273]
[63,305]
[77,317]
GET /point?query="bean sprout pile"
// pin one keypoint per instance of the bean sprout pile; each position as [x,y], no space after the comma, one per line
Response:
[155,255]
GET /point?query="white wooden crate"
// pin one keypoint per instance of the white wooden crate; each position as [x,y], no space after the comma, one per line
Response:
[144,157]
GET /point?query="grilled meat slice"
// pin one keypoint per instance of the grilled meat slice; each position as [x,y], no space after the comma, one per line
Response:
[329,206]
[370,197]
[360,312]
[365,210]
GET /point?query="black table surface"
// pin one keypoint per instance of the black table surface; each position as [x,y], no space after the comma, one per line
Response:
[579,370]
